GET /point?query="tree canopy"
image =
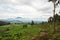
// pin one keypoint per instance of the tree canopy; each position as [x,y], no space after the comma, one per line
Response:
[56,17]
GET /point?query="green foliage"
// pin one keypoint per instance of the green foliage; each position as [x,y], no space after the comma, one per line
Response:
[55,18]
[32,23]
[25,26]
[17,32]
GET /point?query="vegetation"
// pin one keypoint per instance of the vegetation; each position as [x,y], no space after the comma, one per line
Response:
[43,31]
[32,23]
[55,18]
[55,4]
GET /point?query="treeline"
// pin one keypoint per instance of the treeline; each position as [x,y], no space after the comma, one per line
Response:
[55,18]
[3,23]
[7,23]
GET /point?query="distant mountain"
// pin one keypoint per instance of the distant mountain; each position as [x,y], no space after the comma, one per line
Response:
[17,20]
[18,17]
[20,20]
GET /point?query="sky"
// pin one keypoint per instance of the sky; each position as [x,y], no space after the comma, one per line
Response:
[33,9]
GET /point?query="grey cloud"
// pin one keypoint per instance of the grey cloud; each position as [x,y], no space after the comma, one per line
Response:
[11,9]
[16,2]
[39,5]
[8,5]
[46,10]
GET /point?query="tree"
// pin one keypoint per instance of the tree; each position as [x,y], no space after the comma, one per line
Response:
[56,17]
[32,23]
[50,19]
[55,3]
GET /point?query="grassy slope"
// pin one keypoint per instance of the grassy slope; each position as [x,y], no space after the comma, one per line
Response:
[18,32]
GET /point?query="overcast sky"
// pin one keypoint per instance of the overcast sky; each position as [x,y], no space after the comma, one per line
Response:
[41,9]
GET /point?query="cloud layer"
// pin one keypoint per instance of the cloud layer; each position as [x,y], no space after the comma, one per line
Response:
[41,9]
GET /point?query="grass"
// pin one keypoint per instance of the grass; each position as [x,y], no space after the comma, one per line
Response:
[18,32]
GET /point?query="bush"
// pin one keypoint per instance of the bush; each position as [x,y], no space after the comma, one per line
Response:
[32,23]
[25,26]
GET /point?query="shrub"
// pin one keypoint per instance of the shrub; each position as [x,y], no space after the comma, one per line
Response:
[32,23]
[25,26]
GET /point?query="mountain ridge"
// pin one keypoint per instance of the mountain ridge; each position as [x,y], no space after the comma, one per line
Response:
[21,20]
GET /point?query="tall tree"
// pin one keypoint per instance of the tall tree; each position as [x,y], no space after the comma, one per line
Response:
[55,3]
[32,23]
[56,17]
[50,19]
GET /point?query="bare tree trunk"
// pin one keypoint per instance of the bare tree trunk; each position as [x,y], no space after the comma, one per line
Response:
[54,16]
[54,21]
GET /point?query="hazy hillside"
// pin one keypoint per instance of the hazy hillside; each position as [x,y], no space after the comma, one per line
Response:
[21,20]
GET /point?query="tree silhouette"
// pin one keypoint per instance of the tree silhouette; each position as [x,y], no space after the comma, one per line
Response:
[50,19]
[56,17]
[55,3]
[32,23]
